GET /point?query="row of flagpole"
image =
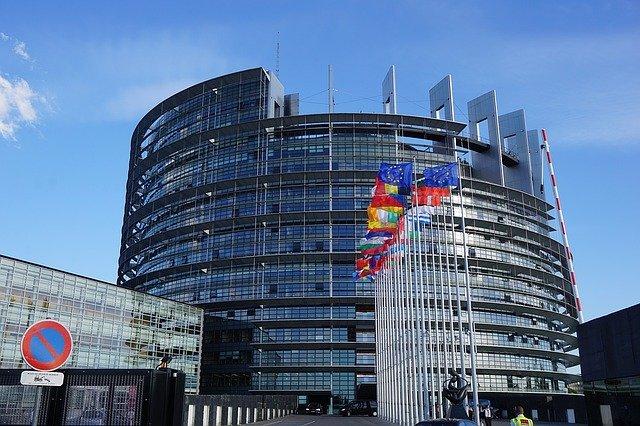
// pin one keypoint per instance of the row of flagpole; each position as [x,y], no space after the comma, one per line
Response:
[410,368]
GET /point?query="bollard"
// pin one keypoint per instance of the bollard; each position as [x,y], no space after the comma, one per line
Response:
[239,419]
[218,415]
[229,415]
[247,414]
[191,415]
[255,414]
[205,415]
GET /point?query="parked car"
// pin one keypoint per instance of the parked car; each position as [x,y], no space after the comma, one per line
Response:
[360,408]
[314,408]
[447,422]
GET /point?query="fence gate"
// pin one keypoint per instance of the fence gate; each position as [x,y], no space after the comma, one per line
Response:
[97,397]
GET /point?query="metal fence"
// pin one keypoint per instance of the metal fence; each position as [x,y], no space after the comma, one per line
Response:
[210,410]
[97,397]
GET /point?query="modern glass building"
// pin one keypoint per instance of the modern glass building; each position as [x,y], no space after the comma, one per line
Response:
[240,205]
[112,327]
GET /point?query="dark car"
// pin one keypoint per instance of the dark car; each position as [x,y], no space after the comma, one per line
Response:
[360,408]
[314,408]
[447,422]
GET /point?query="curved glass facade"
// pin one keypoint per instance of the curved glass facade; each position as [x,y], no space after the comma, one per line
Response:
[255,217]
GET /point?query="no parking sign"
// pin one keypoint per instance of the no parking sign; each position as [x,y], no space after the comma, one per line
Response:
[46,345]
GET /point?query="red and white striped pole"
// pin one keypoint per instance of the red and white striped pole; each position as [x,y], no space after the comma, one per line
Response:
[563,227]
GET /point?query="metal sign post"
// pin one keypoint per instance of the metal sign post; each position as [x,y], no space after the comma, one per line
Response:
[45,346]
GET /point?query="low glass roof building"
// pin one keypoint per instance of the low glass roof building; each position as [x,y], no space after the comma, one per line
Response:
[112,327]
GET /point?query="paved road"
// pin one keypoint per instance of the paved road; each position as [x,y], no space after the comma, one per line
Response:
[298,420]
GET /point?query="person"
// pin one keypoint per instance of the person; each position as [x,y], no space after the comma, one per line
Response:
[488,415]
[520,419]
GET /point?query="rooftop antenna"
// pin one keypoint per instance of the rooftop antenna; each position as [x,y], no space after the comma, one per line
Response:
[331,101]
[278,54]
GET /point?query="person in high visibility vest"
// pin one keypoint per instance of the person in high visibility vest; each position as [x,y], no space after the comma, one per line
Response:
[520,419]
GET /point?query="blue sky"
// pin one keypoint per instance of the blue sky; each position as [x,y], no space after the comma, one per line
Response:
[76,77]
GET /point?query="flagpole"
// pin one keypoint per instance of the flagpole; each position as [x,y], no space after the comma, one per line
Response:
[417,292]
[389,317]
[377,332]
[457,275]
[442,312]
[401,340]
[449,301]
[470,322]
[408,354]
[388,382]
[563,227]
[395,339]
[392,336]
[424,329]
[424,273]
[436,323]
[381,340]
[432,388]
[408,282]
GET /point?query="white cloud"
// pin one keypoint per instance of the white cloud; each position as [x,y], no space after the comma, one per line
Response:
[148,68]
[19,47]
[136,101]
[17,106]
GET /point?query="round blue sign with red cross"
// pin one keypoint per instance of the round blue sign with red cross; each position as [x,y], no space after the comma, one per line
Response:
[46,345]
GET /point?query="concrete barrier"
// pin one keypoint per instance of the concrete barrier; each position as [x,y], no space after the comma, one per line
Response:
[223,410]
[191,415]
[218,415]
[205,415]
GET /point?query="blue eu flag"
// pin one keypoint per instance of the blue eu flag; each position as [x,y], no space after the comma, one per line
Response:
[396,174]
[442,176]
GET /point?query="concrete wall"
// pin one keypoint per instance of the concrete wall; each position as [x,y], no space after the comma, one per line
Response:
[218,410]
[513,127]
[275,106]
[486,165]
[537,167]
[441,99]
[389,99]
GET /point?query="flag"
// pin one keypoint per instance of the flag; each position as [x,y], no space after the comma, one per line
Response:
[397,174]
[396,249]
[421,213]
[383,228]
[374,225]
[387,201]
[375,250]
[372,234]
[428,196]
[382,188]
[357,278]
[371,243]
[364,273]
[362,263]
[382,215]
[376,262]
[391,209]
[442,176]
